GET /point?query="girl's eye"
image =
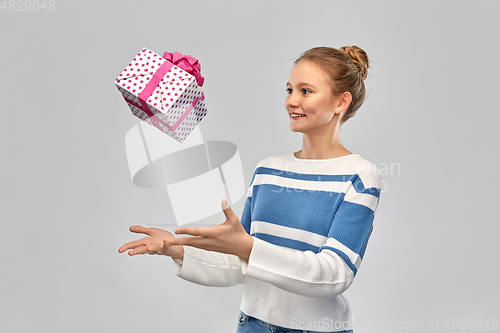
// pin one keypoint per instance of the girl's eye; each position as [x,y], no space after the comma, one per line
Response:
[306,91]
[288,91]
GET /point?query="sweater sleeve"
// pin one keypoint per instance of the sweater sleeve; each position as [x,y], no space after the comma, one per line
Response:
[329,272]
[210,268]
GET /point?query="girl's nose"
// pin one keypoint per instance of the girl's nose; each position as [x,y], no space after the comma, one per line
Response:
[291,101]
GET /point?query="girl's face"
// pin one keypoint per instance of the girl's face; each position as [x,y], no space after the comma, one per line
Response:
[310,98]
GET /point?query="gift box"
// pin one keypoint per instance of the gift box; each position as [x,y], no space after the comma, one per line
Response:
[164,91]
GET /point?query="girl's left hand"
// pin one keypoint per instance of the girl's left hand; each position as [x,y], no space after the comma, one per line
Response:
[229,237]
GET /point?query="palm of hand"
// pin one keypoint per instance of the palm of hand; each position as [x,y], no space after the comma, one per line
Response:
[229,237]
[152,244]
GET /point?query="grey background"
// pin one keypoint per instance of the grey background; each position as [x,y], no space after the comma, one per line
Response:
[67,199]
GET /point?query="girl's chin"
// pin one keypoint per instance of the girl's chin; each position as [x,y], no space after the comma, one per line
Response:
[295,128]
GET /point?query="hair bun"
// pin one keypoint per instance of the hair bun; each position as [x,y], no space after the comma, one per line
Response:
[358,57]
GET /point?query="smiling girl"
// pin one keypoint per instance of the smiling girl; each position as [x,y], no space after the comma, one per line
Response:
[307,218]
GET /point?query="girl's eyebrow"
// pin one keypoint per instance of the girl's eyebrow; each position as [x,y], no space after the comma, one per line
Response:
[302,84]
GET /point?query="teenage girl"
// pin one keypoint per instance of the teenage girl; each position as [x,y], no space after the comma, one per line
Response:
[307,217]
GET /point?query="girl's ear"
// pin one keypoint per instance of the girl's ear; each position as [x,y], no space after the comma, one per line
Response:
[343,102]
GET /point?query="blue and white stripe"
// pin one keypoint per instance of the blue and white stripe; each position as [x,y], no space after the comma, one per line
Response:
[313,211]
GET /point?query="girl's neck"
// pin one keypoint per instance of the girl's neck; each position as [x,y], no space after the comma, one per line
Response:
[321,147]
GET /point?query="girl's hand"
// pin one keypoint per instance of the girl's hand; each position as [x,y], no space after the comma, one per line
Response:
[229,237]
[153,244]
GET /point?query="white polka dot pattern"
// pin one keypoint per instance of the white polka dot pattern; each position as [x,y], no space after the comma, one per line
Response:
[171,98]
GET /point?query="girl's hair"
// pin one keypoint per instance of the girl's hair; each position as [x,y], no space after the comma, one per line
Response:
[347,69]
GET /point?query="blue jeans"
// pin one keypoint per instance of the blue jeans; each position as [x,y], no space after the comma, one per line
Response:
[247,324]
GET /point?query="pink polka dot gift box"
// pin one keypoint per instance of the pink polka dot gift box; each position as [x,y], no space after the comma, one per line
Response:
[164,91]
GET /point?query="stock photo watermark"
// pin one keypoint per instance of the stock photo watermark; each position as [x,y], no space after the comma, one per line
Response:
[450,324]
[430,324]
[28,6]
[344,172]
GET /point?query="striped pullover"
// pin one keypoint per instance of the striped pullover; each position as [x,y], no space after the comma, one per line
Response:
[311,220]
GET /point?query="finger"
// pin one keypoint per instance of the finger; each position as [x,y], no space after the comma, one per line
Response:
[189,241]
[166,244]
[131,245]
[202,232]
[138,250]
[147,248]
[140,229]
[225,204]
[228,211]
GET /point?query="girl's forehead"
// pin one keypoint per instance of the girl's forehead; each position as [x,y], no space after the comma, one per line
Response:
[307,71]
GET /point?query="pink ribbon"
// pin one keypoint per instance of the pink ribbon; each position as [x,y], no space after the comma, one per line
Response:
[155,120]
[152,84]
[187,63]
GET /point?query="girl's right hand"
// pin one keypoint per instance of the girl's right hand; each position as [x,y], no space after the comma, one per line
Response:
[153,244]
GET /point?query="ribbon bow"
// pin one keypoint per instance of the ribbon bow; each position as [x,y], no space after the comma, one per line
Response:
[187,63]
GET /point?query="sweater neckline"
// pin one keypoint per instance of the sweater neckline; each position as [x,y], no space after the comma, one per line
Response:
[321,159]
